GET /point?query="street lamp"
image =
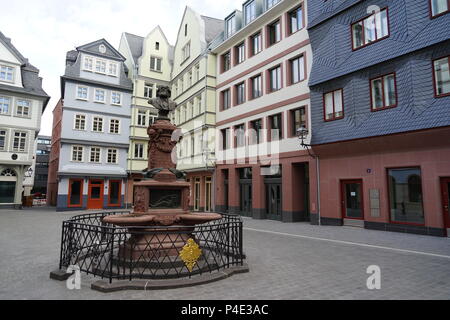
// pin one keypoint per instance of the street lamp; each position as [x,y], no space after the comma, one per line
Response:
[302,134]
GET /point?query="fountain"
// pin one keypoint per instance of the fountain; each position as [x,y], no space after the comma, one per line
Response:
[162,198]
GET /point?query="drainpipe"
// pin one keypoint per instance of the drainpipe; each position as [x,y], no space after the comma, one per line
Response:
[318,188]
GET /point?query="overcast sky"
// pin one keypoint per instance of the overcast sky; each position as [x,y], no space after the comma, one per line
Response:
[44,30]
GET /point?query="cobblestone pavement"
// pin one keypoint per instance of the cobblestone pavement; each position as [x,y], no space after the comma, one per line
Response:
[287,261]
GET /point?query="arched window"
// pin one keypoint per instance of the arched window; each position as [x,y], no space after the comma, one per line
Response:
[414,188]
[8,173]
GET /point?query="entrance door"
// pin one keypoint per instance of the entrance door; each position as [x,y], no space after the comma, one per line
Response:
[445,187]
[273,199]
[246,198]
[95,196]
[352,199]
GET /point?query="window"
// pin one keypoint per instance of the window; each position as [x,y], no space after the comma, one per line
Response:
[20,141]
[185,29]
[142,118]
[82,93]
[256,134]
[75,192]
[193,145]
[80,122]
[139,151]
[334,105]
[250,12]
[368,30]
[23,108]
[256,89]
[441,77]
[155,64]
[112,156]
[3,139]
[274,32]
[405,195]
[5,102]
[116,98]
[197,72]
[156,45]
[297,69]
[190,79]
[256,42]
[226,61]
[114,126]
[271,3]
[295,20]
[298,119]
[383,92]
[186,51]
[439,7]
[6,73]
[276,127]
[100,95]
[226,99]
[100,66]
[77,153]
[275,79]
[97,124]
[88,63]
[240,93]
[148,90]
[230,26]
[239,133]
[225,138]
[240,53]
[95,155]
[112,70]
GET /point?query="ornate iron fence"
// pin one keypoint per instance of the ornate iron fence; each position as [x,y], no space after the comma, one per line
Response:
[112,252]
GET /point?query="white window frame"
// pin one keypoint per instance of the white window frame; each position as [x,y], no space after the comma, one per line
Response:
[112,98]
[118,125]
[116,155]
[136,145]
[92,63]
[99,155]
[75,121]
[20,138]
[9,106]
[23,108]
[101,61]
[72,153]
[155,67]
[249,18]
[13,73]
[186,51]
[5,139]
[102,122]
[141,114]
[115,68]
[148,88]
[104,95]
[87,92]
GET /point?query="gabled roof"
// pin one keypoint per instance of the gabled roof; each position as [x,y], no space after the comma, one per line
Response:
[94,48]
[135,43]
[213,27]
[31,82]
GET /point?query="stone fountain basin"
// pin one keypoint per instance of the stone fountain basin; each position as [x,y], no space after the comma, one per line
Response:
[182,218]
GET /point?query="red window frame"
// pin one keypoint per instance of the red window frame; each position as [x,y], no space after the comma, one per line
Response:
[236,53]
[120,193]
[372,107]
[334,107]
[250,46]
[69,205]
[236,94]
[269,79]
[291,120]
[363,33]
[222,61]
[436,95]
[269,126]
[253,140]
[280,21]
[251,87]
[222,99]
[289,69]
[225,138]
[439,14]
[235,138]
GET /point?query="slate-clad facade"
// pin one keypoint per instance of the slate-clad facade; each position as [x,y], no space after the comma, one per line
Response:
[380,113]
[91,124]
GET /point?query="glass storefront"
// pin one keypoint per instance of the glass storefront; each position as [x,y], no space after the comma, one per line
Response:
[7,191]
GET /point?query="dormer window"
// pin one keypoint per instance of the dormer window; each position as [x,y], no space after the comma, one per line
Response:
[112,70]
[88,63]
[6,73]
[271,3]
[250,12]
[230,26]
[100,66]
